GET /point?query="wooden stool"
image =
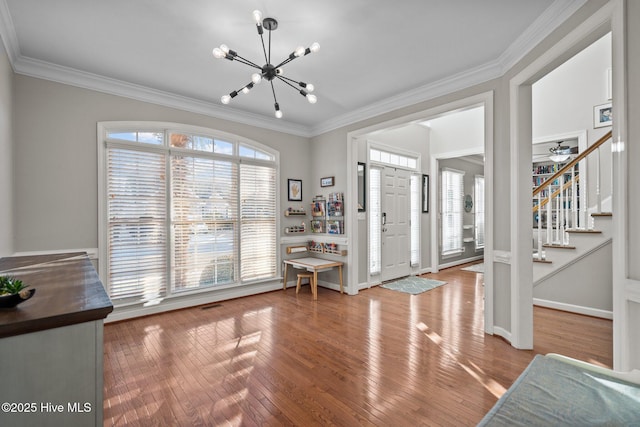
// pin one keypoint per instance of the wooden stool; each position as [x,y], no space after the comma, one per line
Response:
[304,276]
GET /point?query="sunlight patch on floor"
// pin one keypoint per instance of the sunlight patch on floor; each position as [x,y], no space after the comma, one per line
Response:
[471,368]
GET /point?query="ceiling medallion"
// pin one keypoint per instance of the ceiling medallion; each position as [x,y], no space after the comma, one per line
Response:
[268,72]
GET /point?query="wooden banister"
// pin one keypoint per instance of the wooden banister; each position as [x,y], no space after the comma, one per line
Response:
[569,165]
[556,193]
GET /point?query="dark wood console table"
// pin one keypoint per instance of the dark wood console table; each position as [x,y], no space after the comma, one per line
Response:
[51,346]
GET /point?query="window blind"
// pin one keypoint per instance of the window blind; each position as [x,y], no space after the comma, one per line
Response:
[257,222]
[185,211]
[375,218]
[136,211]
[204,218]
[452,211]
[479,211]
[415,220]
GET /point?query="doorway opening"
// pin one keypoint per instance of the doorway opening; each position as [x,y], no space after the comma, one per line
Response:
[394,219]
[411,134]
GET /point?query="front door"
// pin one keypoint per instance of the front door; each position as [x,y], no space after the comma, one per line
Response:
[395,207]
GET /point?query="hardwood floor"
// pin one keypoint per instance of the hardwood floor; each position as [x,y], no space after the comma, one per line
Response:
[379,358]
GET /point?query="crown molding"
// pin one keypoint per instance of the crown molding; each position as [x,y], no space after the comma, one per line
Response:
[429,91]
[8,34]
[48,71]
[551,18]
[557,13]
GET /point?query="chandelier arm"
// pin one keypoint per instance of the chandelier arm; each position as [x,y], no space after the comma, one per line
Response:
[285,81]
[286,61]
[247,62]
[291,80]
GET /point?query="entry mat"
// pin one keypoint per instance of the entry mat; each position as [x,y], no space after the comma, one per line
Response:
[476,268]
[413,285]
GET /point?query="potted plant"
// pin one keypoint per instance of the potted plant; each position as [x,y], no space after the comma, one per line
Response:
[13,291]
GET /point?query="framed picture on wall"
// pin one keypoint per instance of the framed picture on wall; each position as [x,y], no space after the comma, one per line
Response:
[425,193]
[362,185]
[602,115]
[328,181]
[295,190]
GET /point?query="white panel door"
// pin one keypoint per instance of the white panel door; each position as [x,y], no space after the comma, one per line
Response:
[395,204]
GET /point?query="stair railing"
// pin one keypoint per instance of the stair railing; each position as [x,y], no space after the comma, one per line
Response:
[570,211]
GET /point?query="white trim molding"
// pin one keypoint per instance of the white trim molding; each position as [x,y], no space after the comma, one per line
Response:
[548,21]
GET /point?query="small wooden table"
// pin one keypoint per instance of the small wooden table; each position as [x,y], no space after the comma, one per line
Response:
[314,265]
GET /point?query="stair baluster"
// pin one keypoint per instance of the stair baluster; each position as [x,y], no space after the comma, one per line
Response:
[571,212]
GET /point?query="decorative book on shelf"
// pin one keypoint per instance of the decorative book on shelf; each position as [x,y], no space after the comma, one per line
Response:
[335,213]
[335,226]
[317,226]
[318,206]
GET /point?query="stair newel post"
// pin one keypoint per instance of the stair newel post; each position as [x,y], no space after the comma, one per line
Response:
[561,211]
[540,226]
[598,195]
[549,218]
[584,201]
[574,198]
[567,215]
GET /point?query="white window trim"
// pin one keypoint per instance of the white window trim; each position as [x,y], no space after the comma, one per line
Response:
[103,128]
[393,150]
[453,252]
[478,205]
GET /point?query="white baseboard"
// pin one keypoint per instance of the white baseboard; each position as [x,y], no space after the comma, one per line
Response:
[460,262]
[588,311]
[186,301]
[91,252]
[497,330]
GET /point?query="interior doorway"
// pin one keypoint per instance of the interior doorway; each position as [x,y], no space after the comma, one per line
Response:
[393,226]
[365,269]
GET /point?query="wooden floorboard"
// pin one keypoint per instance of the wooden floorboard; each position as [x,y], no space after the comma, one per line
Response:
[381,358]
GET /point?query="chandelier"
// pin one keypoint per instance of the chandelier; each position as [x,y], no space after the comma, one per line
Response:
[268,72]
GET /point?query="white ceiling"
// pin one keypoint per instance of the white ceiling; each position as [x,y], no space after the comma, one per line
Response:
[375,55]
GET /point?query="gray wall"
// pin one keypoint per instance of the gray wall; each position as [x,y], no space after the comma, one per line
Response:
[56,175]
[54,143]
[6,155]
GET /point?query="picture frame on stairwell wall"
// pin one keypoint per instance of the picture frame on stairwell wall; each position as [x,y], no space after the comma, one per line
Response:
[602,115]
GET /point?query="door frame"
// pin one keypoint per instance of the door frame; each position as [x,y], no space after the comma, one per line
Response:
[380,165]
[520,116]
[484,99]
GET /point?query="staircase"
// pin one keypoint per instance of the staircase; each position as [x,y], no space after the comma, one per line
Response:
[573,270]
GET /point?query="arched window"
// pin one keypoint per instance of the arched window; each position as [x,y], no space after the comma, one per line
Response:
[183,209]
